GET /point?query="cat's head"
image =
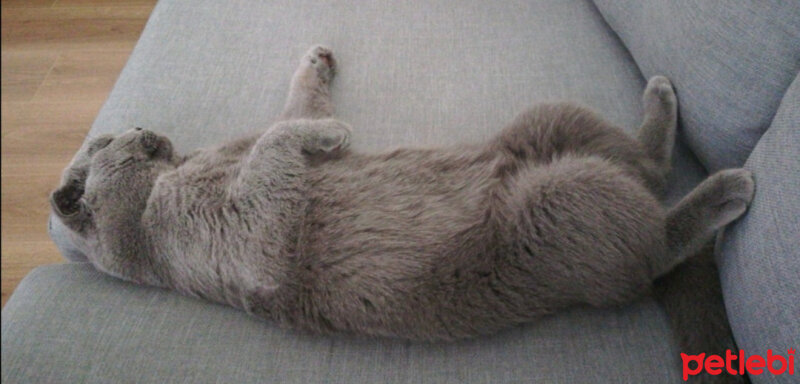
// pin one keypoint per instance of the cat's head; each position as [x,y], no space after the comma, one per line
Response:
[104,192]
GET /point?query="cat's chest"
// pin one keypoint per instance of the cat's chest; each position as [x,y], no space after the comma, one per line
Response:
[188,195]
[190,212]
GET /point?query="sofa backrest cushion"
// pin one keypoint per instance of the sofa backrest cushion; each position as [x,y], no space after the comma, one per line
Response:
[731,62]
[759,255]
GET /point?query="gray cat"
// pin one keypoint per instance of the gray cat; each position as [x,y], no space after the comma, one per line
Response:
[559,209]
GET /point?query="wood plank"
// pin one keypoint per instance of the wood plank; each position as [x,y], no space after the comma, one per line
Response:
[23,73]
[27,3]
[25,204]
[89,74]
[101,3]
[45,128]
[72,28]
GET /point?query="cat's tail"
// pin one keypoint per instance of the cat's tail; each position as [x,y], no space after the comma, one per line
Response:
[692,297]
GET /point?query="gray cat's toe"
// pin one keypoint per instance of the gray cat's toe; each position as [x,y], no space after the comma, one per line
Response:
[321,59]
[660,87]
[738,184]
[336,138]
[659,97]
[733,193]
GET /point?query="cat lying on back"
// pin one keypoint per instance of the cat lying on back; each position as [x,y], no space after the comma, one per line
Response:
[559,209]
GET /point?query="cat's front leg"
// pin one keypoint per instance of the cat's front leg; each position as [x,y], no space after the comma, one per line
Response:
[277,162]
[269,195]
[310,93]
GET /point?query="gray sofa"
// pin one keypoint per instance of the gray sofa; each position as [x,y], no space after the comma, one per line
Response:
[429,73]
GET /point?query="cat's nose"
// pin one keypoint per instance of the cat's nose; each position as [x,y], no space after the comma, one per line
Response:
[138,128]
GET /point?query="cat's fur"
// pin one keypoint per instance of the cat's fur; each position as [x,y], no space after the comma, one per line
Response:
[559,209]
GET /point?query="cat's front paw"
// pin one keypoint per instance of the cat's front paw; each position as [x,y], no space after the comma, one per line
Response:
[334,137]
[320,61]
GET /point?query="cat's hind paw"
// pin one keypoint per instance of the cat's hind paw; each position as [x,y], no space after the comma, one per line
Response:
[659,95]
[731,193]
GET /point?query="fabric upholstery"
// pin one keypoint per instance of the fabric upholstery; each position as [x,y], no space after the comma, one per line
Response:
[70,324]
[731,61]
[411,73]
[421,73]
[759,256]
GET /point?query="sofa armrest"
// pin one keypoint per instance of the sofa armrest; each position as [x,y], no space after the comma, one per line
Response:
[759,255]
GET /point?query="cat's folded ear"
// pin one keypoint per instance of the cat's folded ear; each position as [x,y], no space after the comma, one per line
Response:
[99,143]
[69,207]
[78,168]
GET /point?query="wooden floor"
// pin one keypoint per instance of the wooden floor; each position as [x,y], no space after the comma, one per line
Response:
[60,59]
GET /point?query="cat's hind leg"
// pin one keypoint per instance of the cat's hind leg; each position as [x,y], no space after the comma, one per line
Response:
[583,228]
[657,132]
[717,201]
[310,94]
[549,131]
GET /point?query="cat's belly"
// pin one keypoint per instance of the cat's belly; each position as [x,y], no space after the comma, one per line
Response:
[390,221]
[379,232]
[404,208]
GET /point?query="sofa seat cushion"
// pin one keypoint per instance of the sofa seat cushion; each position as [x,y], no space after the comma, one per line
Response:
[759,255]
[731,62]
[411,73]
[71,324]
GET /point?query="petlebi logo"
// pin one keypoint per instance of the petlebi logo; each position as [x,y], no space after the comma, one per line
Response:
[738,364]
